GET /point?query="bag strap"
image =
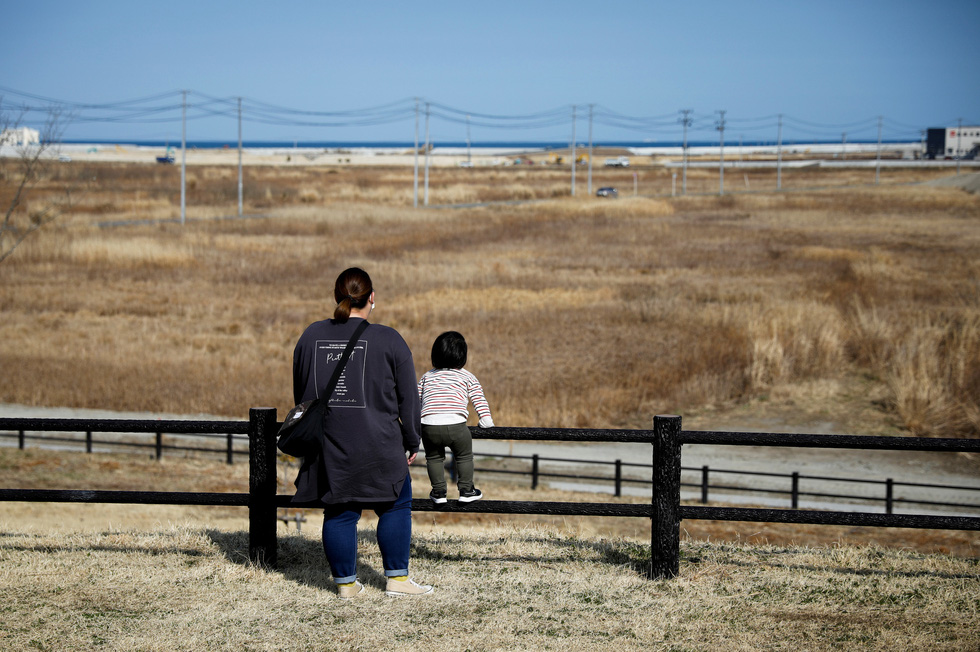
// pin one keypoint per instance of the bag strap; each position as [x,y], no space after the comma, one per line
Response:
[335,378]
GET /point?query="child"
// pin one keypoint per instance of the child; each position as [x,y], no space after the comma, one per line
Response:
[445,392]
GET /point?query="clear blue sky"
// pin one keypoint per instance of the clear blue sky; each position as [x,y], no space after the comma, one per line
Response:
[829,66]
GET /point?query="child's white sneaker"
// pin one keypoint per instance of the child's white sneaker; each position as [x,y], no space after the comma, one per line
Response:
[470,496]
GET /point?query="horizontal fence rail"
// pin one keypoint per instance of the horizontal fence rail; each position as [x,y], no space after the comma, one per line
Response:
[814,517]
[124,497]
[229,432]
[792,491]
[665,510]
[799,440]
[125,425]
[235,443]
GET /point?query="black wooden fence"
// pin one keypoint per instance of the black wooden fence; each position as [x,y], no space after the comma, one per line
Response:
[228,444]
[664,510]
[232,445]
[792,493]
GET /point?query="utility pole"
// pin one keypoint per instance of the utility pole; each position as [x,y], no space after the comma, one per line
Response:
[959,140]
[878,155]
[843,146]
[573,150]
[183,159]
[721,153]
[239,157]
[779,154]
[686,121]
[416,178]
[590,148]
[426,153]
[468,158]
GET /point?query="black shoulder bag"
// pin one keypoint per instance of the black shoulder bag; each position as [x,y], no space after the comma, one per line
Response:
[302,429]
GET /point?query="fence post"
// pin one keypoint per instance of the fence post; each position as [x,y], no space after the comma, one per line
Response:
[704,484]
[20,439]
[795,491]
[262,486]
[665,535]
[619,478]
[889,497]
[231,450]
[534,471]
[88,441]
[159,445]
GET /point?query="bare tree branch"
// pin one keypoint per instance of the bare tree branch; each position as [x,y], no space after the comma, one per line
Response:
[21,173]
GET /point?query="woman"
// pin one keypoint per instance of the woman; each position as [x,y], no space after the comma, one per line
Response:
[372,423]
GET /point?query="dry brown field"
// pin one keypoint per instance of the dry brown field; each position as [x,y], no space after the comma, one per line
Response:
[836,299]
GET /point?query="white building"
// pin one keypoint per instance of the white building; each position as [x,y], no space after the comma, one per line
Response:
[20,136]
[951,142]
[959,141]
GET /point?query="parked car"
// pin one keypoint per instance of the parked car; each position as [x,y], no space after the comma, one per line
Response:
[618,162]
[607,191]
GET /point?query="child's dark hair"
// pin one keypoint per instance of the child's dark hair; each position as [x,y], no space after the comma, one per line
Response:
[449,351]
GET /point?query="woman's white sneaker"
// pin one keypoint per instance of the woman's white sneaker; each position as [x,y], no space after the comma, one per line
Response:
[399,588]
[348,591]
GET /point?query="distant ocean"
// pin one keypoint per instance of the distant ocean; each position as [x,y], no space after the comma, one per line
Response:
[494,145]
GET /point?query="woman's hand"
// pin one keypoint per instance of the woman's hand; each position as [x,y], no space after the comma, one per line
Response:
[411,458]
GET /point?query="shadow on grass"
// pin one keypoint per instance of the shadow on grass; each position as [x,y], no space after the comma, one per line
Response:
[300,559]
[633,556]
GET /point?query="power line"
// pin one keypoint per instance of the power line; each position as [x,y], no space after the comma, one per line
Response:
[173,106]
[117,104]
[551,113]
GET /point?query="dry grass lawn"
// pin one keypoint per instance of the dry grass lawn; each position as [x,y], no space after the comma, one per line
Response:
[123,577]
[188,587]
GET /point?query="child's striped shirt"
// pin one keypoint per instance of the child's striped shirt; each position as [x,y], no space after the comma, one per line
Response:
[445,395]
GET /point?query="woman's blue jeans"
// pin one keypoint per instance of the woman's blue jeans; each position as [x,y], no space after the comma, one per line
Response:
[394,535]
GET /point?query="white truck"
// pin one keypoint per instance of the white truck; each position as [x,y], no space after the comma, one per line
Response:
[618,162]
